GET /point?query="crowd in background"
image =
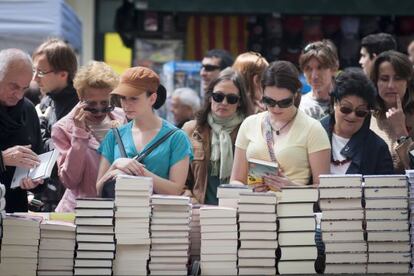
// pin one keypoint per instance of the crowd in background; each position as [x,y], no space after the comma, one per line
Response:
[354,120]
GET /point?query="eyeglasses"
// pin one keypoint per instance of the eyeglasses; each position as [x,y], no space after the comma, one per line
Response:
[285,103]
[210,67]
[358,112]
[218,97]
[41,73]
[97,110]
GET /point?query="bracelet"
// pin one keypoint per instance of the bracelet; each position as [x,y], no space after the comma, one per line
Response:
[402,139]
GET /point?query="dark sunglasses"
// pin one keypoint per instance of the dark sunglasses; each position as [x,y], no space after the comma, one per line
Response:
[102,110]
[358,112]
[218,97]
[285,103]
[210,67]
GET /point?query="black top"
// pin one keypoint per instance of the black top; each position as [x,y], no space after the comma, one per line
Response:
[19,125]
[368,152]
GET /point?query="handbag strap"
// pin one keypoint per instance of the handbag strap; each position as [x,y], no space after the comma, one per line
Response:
[145,153]
[267,127]
[118,140]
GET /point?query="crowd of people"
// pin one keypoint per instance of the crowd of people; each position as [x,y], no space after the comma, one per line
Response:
[353,121]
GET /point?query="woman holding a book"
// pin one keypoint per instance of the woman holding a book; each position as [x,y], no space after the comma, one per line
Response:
[283,134]
[355,148]
[393,120]
[213,133]
[78,135]
[168,160]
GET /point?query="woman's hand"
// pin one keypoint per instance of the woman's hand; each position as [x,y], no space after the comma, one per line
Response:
[79,117]
[396,117]
[129,166]
[20,156]
[277,182]
[28,183]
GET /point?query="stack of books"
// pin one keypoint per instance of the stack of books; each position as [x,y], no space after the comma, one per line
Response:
[228,194]
[195,233]
[94,236]
[20,245]
[218,240]
[170,235]
[410,175]
[387,224]
[258,233]
[132,215]
[297,226]
[57,248]
[343,223]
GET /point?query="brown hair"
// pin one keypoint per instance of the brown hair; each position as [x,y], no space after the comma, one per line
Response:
[245,106]
[404,69]
[324,51]
[59,55]
[95,74]
[249,65]
[283,74]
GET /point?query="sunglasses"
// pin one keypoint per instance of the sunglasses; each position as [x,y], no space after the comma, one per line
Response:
[218,97]
[358,112]
[210,67]
[97,110]
[285,103]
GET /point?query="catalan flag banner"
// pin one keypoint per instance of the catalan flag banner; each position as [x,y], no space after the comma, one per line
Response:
[209,32]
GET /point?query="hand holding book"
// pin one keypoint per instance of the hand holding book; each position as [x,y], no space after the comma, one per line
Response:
[20,156]
[277,182]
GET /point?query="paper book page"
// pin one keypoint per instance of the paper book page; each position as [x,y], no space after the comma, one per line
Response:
[18,176]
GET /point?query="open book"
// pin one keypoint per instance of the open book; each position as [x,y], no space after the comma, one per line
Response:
[43,171]
[258,169]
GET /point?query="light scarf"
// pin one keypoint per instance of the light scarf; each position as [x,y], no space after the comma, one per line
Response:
[221,144]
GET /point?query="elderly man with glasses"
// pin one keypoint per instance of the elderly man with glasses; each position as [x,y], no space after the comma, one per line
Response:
[20,138]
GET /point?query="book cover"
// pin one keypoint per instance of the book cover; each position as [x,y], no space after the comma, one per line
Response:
[258,169]
[43,171]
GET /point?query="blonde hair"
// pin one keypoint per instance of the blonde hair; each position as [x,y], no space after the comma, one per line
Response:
[249,65]
[95,74]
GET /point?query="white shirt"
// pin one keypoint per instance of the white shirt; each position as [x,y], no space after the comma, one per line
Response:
[338,143]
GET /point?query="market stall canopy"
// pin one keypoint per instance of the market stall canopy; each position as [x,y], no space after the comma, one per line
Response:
[25,24]
[303,7]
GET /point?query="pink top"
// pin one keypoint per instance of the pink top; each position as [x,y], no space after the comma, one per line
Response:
[78,161]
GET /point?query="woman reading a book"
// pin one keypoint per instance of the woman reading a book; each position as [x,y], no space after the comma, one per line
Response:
[213,133]
[393,120]
[167,164]
[78,135]
[283,134]
[355,148]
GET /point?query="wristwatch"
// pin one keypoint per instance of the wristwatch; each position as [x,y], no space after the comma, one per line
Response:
[402,139]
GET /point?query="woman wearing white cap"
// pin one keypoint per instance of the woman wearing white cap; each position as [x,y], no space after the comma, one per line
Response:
[141,93]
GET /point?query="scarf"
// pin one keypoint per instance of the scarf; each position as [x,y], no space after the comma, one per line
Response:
[221,144]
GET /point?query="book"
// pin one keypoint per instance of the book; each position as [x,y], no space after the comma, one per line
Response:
[255,271]
[347,180]
[299,194]
[298,253]
[291,209]
[257,198]
[388,236]
[354,257]
[288,224]
[345,268]
[296,267]
[349,236]
[387,225]
[340,192]
[390,257]
[396,214]
[340,203]
[296,238]
[341,225]
[386,192]
[389,268]
[389,247]
[104,203]
[258,169]
[231,190]
[42,171]
[334,246]
[343,214]
[385,181]
[258,244]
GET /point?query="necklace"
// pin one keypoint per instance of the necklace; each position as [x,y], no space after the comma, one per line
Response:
[340,163]
[277,131]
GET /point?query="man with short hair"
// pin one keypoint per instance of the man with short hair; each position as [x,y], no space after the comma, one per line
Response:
[20,138]
[55,66]
[319,63]
[372,45]
[213,62]
[184,104]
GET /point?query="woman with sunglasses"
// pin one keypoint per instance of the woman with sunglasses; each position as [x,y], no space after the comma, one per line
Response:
[355,148]
[78,135]
[213,133]
[393,120]
[167,164]
[251,66]
[282,134]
